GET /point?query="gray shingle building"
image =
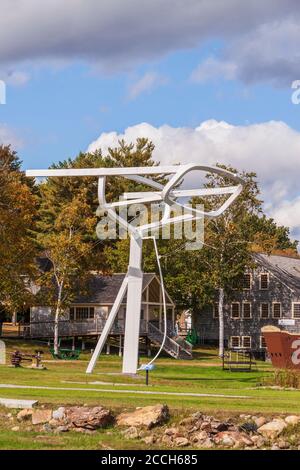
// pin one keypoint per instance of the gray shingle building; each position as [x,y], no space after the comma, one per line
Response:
[270,296]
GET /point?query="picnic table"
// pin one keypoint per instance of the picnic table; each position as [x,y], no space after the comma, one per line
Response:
[66,354]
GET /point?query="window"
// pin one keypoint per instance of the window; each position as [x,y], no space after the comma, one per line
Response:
[235,310]
[246,281]
[263,344]
[235,341]
[82,313]
[216,311]
[264,310]
[246,310]
[264,281]
[72,313]
[276,309]
[246,342]
[296,309]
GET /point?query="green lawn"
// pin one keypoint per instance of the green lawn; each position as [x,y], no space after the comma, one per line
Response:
[108,387]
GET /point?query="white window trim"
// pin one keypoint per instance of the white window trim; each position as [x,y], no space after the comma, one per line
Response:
[268,275]
[248,288]
[231,341]
[249,303]
[260,342]
[273,309]
[293,309]
[246,347]
[237,303]
[261,304]
[75,307]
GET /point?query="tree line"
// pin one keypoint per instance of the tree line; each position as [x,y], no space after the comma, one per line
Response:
[53,223]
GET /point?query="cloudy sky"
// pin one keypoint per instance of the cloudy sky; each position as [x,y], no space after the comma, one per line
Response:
[207,80]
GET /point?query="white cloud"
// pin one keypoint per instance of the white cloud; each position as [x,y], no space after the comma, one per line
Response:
[271,149]
[270,53]
[288,213]
[116,34]
[146,83]
[213,68]
[9,137]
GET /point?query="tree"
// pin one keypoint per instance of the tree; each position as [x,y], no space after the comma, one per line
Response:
[18,205]
[70,256]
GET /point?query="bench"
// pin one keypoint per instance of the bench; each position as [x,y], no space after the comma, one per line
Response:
[240,360]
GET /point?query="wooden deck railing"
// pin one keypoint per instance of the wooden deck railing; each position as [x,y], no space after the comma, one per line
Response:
[45,329]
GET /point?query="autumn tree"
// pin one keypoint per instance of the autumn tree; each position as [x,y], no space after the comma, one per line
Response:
[67,248]
[18,206]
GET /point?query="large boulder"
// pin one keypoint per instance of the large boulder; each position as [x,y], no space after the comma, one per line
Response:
[41,416]
[24,415]
[292,420]
[89,418]
[148,416]
[272,429]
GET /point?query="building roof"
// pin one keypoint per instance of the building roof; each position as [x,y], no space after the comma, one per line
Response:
[285,268]
[104,289]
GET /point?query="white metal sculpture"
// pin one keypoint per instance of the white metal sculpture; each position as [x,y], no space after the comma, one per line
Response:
[168,196]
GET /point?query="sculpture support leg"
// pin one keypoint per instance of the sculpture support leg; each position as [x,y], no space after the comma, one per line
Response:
[108,325]
[133,308]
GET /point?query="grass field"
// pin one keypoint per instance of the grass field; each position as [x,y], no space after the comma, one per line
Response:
[68,384]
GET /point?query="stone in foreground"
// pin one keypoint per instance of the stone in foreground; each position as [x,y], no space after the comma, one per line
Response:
[41,416]
[89,418]
[272,429]
[148,416]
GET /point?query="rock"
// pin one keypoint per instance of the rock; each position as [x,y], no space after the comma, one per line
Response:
[15,428]
[282,444]
[293,420]
[47,427]
[171,431]
[24,415]
[275,447]
[206,426]
[218,426]
[131,433]
[41,416]
[148,416]
[181,442]
[167,440]
[89,418]
[149,440]
[233,439]
[207,444]
[258,441]
[54,423]
[200,436]
[60,429]
[59,414]
[259,421]
[273,428]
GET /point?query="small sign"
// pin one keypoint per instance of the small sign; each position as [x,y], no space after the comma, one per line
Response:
[147,367]
[286,322]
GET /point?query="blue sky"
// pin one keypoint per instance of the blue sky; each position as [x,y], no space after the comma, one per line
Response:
[210,80]
[58,112]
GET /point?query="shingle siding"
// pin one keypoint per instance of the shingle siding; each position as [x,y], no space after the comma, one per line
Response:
[284,287]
